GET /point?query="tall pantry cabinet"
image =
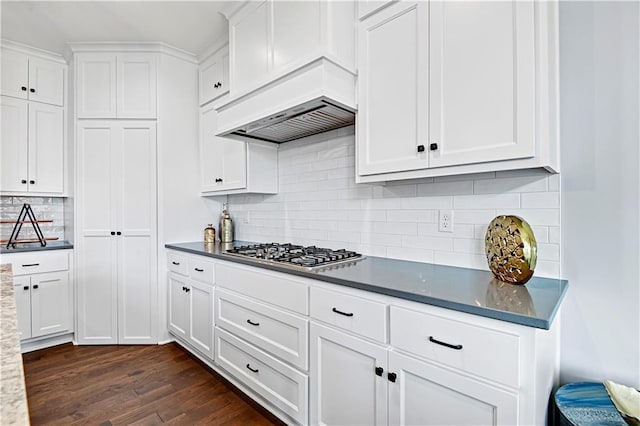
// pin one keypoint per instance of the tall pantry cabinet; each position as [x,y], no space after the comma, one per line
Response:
[116,196]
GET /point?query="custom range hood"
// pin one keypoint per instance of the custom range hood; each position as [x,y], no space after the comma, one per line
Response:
[315,98]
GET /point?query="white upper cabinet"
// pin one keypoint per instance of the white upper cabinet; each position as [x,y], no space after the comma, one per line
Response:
[29,77]
[456,87]
[32,148]
[271,38]
[119,85]
[214,76]
[229,166]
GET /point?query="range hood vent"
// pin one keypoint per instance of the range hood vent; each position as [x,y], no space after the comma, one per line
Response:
[311,99]
[304,120]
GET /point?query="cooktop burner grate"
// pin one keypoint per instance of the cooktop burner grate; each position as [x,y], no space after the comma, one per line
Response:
[295,256]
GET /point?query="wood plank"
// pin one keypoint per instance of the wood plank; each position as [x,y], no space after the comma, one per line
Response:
[121,385]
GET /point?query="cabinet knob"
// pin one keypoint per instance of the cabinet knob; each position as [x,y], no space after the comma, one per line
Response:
[184,288]
[433,147]
[32,90]
[391,377]
[118,233]
[113,232]
[26,287]
[24,89]
[187,289]
[379,371]
[35,286]
[23,181]
[420,148]
[32,182]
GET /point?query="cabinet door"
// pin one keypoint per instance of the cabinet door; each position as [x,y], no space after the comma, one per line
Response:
[178,305]
[223,161]
[249,38]
[345,389]
[96,247]
[201,317]
[424,394]
[482,83]
[134,182]
[22,292]
[234,157]
[46,81]
[96,85]
[296,31]
[211,164]
[51,311]
[136,85]
[393,92]
[15,74]
[46,148]
[14,145]
[214,77]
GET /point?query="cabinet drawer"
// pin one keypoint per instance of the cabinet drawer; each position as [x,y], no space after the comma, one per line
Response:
[201,269]
[177,263]
[283,386]
[273,330]
[38,262]
[485,352]
[361,316]
[274,288]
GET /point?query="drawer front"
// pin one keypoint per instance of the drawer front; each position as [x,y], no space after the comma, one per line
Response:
[283,386]
[361,316]
[201,269]
[38,262]
[177,263]
[485,352]
[276,289]
[280,333]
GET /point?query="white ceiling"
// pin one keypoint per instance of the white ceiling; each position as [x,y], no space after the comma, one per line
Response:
[193,26]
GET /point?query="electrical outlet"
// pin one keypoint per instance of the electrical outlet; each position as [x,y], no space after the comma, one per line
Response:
[445,222]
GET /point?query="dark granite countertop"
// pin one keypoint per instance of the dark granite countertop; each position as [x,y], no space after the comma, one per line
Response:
[51,245]
[466,290]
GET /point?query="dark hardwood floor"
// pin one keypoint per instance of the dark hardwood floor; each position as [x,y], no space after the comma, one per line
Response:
[122,385]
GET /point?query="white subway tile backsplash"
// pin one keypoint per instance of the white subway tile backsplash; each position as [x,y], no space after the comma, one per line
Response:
[424,242]
[427,203]
[319,203]
[410,254]
[496,201]
[518,184]
[540,200]
[445,188]
[418,216]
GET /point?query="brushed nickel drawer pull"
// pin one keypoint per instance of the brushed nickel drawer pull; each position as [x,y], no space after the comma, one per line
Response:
[346,314]
[449,345]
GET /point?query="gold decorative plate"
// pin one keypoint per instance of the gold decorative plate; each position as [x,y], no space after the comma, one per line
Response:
[511,249]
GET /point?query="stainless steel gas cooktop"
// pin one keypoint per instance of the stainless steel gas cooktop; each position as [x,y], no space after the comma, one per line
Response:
[294,256]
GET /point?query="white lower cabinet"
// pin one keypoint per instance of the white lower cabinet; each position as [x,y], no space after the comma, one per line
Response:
[345,386]
[281,385]
[323,354]
[43,292]
[424,394]
[191,312]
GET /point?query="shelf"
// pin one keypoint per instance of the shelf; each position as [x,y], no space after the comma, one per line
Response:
[30,240]
[5,222]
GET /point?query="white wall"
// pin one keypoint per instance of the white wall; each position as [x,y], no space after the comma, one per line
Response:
[599,60]
[319,203]
[182,213]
